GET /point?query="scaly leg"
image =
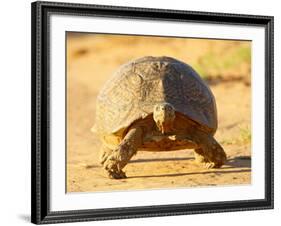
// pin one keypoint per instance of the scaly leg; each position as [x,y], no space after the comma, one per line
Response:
[199,156]
[104,153]
[119,157]
[210,153]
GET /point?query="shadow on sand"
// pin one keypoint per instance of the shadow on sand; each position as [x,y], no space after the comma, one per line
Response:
[159,160]
[187,174]
[232,163]
[239,162]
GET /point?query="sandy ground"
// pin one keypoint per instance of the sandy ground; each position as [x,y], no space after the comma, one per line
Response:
[91,60]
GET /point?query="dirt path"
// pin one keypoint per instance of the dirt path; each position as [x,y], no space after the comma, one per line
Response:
[90,65]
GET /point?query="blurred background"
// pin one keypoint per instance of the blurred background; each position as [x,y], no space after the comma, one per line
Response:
[224,64]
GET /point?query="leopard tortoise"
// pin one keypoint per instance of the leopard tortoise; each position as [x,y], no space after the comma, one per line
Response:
[156,104]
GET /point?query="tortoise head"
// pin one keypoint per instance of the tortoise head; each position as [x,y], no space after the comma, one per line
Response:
[164,115]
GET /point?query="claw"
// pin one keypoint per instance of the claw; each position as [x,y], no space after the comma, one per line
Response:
[211,157]
[209,165]
[116,175]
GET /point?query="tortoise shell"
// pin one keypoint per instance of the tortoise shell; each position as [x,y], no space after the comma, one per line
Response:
[140,84]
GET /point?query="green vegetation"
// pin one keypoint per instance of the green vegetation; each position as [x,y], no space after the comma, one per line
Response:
[245,137]
[229,60]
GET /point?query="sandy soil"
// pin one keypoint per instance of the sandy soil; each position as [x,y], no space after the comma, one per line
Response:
[91,60]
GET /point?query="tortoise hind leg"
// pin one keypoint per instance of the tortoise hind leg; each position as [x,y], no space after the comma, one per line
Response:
[119,157]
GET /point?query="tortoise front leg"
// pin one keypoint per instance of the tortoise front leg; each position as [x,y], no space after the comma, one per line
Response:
[104,153]
[210,153]
[199,156]
[119,157]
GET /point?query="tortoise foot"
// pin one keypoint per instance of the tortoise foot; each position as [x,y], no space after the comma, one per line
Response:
[114,163]
[214,157]
[116,174]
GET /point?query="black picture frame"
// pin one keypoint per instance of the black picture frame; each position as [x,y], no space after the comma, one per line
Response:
[40,211]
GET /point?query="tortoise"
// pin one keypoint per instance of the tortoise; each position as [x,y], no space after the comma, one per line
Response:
[156,104]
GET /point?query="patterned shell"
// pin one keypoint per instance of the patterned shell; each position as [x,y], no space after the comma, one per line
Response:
[138,85]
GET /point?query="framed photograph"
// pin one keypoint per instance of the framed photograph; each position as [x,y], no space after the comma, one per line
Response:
[141,112]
